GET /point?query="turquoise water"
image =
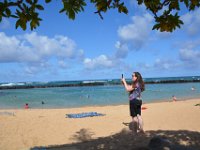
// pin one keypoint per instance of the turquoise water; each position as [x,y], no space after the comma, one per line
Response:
[79,96]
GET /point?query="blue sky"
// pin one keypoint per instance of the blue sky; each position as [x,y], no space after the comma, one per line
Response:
[91,48]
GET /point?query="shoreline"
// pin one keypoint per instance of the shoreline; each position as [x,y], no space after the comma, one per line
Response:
[32,128]
[144,102]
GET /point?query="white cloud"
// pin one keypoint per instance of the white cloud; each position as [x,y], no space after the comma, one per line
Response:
[144,66]
[34,68]
[62,64]
[60,46]
[81,54]
[163,35]
[36,51]
[192,22]
[122,50]
[163,64]
[160,64]
[8,47]
[31,70]
[98,62]
[188,55]
[35,48]
[133,36]
[137,32]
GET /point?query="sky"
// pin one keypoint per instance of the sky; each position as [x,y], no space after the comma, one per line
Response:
[90,48]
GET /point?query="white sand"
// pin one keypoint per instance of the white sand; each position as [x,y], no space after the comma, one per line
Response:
[45,127]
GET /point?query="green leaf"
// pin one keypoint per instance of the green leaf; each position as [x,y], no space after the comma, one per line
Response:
[35,1]
[40,7]
[17,23]
[5,2]
[156,26]
[8,12]
[186,3]
[33,24]
[123,9]
[29,1]
[23,25]
[174,5]
[140,2]
[47,1]
[14,16]
[62,10]
[2,7]
[71,14]
[102,6]
[4,15]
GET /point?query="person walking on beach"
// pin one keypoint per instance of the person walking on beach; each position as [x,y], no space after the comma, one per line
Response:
[135,100]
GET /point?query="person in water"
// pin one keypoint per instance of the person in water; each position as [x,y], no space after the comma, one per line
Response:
[174,98]
[135,100]
[26,106]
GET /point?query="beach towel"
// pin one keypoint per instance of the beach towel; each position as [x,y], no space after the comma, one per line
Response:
[83,115]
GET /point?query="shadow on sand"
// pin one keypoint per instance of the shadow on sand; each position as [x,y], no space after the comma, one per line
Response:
[127,140]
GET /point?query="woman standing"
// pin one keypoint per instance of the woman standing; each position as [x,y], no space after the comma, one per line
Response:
[135,100]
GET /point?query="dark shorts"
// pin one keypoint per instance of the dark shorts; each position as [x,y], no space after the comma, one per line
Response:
[135,107]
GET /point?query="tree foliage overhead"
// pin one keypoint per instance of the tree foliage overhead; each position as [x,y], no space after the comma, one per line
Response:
[166,12]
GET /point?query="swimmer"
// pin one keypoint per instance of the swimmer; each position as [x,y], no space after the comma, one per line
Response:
[174,98]
[26,106]
[193,88]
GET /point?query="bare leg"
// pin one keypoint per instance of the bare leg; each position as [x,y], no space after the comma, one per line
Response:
[135,124]
[140,122]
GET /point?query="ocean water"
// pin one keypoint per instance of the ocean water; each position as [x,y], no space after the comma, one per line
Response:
[98,95]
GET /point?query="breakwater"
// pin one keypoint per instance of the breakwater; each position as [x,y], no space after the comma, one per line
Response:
[29,85]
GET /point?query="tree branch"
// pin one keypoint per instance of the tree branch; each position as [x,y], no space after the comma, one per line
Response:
[18,4]
[109,3]
[99,12]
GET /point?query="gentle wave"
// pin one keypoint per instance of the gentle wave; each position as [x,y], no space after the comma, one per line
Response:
[94,81]
[12,84]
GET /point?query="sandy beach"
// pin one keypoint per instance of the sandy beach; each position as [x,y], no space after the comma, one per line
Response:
[22,129]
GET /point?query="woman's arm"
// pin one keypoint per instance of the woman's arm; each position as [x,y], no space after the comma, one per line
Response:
[128,88]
